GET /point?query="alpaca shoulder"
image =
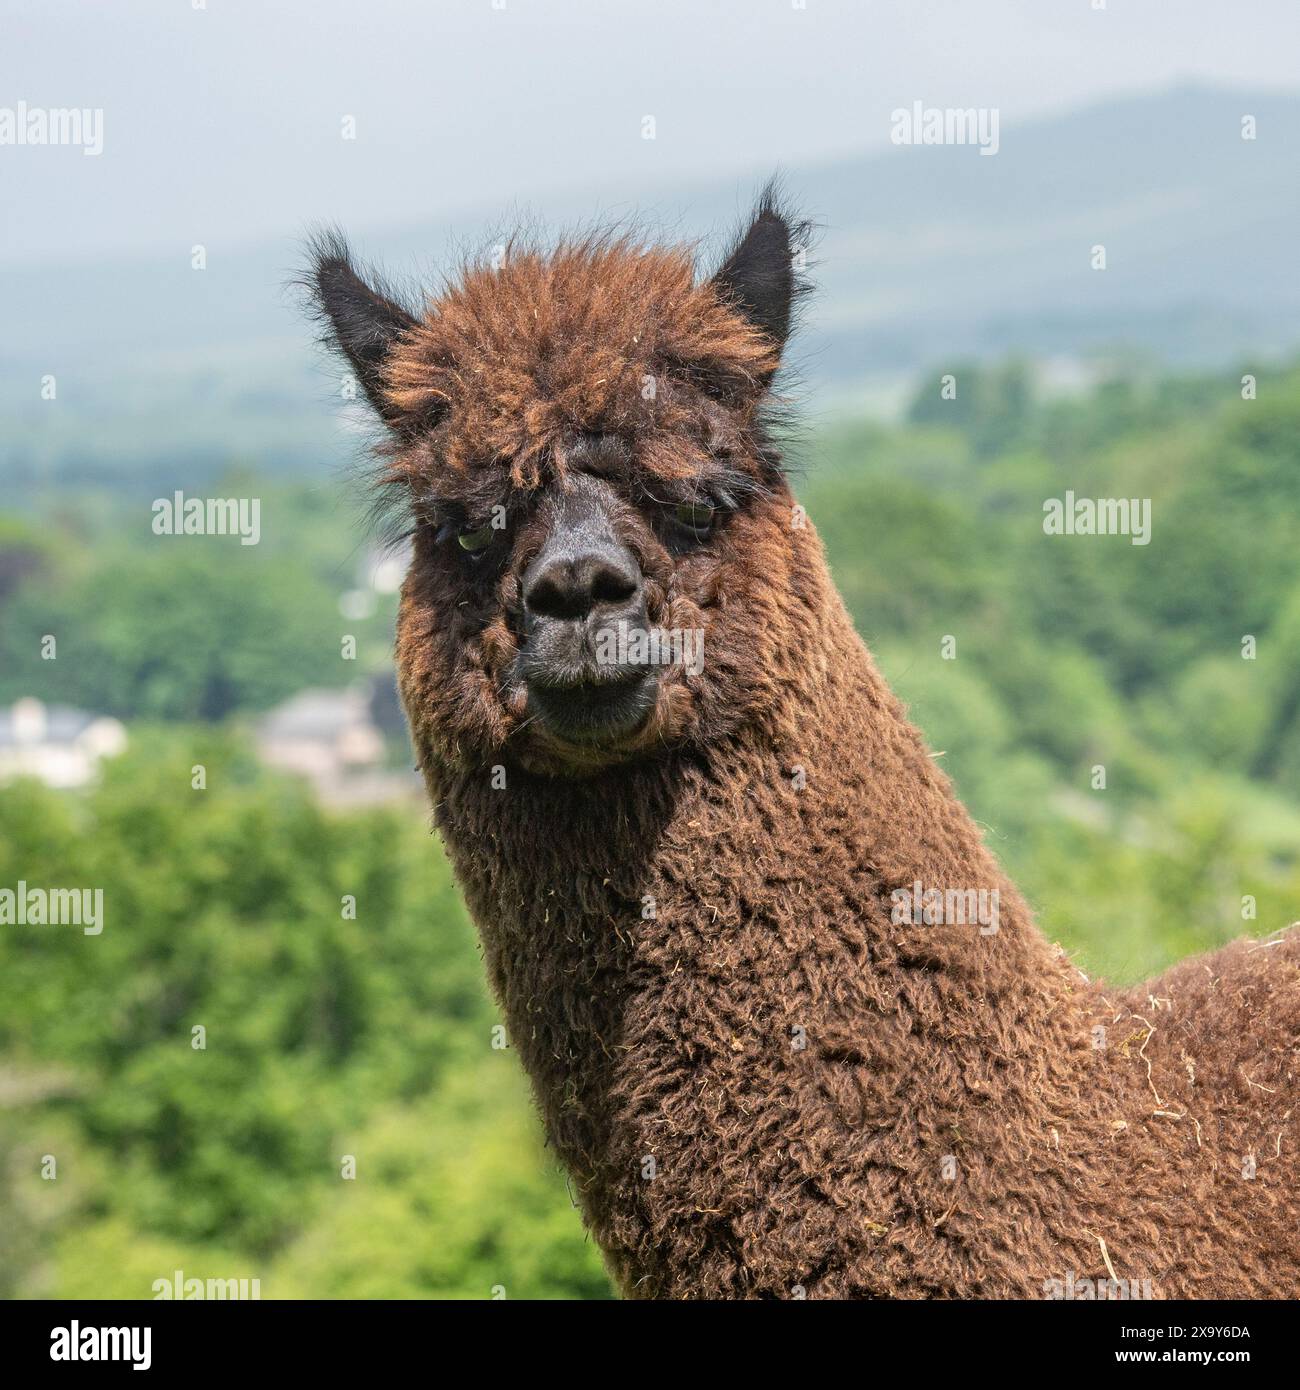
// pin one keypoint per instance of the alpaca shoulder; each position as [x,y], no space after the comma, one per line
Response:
[1226,1025]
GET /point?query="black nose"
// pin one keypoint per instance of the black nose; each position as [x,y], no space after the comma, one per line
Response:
[581,580]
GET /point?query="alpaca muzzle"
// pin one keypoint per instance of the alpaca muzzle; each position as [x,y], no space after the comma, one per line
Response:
[582,590]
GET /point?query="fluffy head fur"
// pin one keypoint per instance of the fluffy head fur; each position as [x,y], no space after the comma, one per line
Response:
[605,357]
[764,1083]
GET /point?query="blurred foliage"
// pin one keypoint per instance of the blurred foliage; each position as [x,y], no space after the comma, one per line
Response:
[324,1036]
[186,627]
[1029,660]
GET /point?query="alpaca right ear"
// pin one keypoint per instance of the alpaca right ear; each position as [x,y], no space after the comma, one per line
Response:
[364,323]
[758,277]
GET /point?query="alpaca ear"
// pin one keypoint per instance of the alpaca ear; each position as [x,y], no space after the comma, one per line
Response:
[758,277]
[364,323]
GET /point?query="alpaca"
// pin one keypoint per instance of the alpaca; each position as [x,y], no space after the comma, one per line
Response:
[767,1076]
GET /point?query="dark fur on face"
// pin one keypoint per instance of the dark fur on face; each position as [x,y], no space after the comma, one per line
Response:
[606,381]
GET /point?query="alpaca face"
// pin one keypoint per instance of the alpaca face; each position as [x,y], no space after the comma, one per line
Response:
[610,615]
[601,532]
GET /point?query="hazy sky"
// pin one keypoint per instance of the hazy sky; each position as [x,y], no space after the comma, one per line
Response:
[223,124]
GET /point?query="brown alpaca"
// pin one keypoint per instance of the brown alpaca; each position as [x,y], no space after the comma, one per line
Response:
[765,1077]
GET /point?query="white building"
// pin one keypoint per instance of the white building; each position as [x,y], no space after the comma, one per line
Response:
[60,746]
[330,737]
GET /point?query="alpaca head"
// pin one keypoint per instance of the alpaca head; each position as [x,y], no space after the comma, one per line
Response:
[602,539]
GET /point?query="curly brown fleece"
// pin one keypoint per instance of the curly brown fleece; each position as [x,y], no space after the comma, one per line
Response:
[762,1083]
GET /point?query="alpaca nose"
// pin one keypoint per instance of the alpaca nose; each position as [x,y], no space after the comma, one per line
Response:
[588,580]
[581,592]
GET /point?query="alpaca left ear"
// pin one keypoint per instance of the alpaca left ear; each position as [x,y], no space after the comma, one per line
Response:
[363,321]
[758,277]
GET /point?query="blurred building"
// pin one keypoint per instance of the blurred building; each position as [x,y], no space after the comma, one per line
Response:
[59,745]
[336,740]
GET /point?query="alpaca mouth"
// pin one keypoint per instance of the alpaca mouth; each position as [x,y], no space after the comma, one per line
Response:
[604,710]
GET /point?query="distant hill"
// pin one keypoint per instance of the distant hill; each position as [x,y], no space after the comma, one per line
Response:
[929,256]
[934,253]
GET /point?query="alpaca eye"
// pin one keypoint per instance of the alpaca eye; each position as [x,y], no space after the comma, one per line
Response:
[478,539]
[696,517]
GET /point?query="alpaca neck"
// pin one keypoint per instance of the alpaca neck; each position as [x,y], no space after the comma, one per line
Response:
[701,966]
